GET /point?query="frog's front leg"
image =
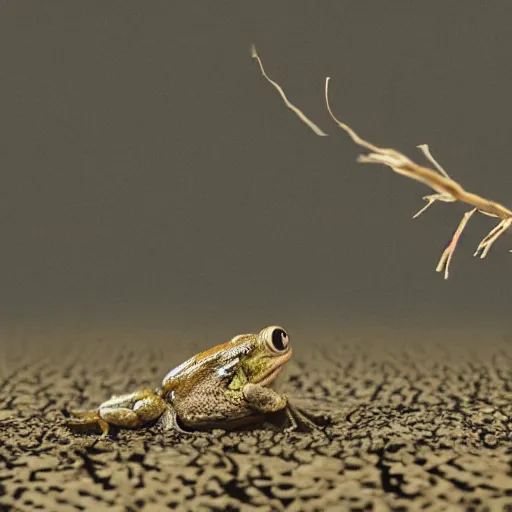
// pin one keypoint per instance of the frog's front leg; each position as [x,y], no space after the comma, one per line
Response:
[267,401]
[264,400]
[127,411]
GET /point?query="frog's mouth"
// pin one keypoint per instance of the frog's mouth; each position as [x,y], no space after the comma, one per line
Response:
[275,370]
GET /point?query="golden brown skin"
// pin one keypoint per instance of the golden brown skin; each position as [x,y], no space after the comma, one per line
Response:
[226,386]
[129,411]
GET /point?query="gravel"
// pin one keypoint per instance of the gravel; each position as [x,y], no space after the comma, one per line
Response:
[406,426]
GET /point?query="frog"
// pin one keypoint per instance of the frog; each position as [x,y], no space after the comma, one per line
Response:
[229,386]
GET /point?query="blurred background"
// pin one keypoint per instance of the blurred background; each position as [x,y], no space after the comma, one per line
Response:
[155,187]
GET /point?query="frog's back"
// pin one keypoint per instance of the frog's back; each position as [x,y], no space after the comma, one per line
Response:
[198,387]
[214,363]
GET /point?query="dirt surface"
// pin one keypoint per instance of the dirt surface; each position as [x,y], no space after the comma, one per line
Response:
[411,426]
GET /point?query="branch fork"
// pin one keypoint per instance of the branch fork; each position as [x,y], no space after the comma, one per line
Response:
[446,189]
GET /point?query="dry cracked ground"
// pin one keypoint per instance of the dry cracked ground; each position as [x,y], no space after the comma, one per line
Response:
[408,425]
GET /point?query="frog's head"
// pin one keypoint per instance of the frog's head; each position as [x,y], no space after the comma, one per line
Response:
[271,350]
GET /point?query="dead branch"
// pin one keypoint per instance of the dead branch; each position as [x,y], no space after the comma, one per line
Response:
[292,107]
[447,190]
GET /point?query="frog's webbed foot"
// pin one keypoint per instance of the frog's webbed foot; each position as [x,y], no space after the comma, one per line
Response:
[299,421]
[169,421]
[87,421]
[267,401]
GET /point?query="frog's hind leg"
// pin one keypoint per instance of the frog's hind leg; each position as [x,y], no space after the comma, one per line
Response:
[88,421]
[121,417]
[145,407]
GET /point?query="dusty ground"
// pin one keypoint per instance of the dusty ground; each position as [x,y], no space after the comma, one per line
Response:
[413,426]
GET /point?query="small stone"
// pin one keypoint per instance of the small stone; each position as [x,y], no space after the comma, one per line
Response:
[243,447]
[200,442]
[303,456]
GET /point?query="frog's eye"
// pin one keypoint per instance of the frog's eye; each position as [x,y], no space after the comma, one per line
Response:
[280,340]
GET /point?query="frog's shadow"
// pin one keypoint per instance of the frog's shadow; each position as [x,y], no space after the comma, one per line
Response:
[278,421]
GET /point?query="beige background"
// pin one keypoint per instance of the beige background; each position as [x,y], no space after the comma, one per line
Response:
[156,198]
[151,180]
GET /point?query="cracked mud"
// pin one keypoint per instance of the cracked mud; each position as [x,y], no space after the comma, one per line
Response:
[410,427]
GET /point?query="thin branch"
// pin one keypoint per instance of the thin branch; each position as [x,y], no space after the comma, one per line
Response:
[426,151]
[403,165]
[431,199]
[446,258]
[489,240]
[447,190]
[292,107]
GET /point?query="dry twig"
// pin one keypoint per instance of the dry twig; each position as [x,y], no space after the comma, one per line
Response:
[292,107]
[447,190]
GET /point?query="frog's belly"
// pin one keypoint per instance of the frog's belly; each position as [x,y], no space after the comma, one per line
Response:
[226,424]
[214,409]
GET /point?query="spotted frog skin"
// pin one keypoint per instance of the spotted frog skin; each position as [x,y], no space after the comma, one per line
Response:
[227,386]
